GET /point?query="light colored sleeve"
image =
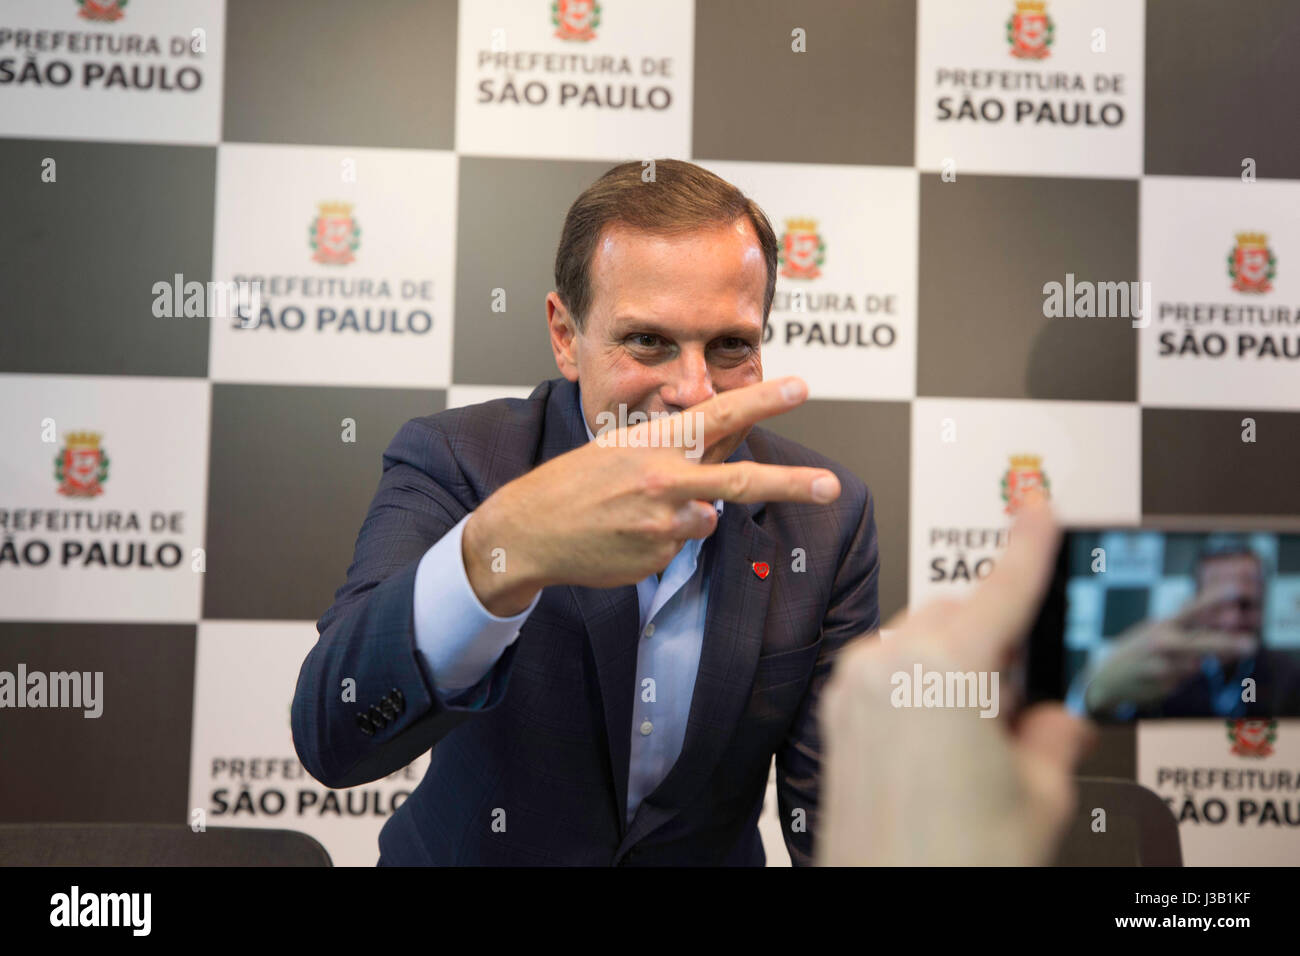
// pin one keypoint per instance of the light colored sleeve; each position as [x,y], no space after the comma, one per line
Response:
[1074,699]
[457,638]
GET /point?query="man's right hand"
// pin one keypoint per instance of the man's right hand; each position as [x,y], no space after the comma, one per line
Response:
[609,514]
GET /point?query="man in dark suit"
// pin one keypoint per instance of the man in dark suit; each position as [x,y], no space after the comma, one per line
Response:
[1216,688]
[604,639]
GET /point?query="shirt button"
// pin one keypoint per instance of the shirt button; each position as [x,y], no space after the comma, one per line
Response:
[646,728]
[649,630]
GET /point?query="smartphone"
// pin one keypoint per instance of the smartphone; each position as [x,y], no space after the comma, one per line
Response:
[1171,621]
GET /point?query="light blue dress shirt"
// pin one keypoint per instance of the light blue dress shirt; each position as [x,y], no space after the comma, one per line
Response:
[1225,694]
[459,641]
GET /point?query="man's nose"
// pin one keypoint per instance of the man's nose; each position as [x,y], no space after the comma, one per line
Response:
[691,384]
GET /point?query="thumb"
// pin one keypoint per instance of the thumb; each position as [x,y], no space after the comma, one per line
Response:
[1050,733]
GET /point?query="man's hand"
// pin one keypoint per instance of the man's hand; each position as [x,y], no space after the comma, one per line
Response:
[936,786]
[619,508]
[1150,660]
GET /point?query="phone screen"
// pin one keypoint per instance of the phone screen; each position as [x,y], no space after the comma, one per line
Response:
[1155,624]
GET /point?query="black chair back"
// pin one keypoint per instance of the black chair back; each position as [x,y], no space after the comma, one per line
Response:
[154,844]
[1140,829]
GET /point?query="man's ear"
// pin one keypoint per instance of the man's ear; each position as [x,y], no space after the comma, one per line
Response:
[564,336]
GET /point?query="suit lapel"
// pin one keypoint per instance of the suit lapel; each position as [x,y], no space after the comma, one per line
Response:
[733,634]
[612,615]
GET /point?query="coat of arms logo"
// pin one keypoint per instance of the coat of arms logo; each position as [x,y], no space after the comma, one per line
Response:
[1252,737]
[334,234]
[1024,475]
[801,251]
[1251,263]
[575,19]
[81,467]
[108,10]
[1030,30]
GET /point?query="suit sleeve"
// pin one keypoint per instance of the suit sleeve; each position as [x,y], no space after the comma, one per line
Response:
[367,703]
[854,610]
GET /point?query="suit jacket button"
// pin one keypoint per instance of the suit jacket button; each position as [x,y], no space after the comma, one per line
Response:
[364,725]
[377,717]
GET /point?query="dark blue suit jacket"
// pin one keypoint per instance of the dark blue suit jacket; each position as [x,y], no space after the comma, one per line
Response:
[548,752]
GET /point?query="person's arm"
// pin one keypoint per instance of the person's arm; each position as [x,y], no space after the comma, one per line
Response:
[854,610]
[367,700]
[458,640]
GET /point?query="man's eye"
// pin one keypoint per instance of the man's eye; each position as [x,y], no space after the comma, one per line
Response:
[731,343]
[640,339]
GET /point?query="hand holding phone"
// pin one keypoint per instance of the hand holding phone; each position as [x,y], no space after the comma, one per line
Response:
[941,783]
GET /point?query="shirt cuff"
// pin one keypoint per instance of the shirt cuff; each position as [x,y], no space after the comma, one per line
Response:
[1074,699]
[457,638]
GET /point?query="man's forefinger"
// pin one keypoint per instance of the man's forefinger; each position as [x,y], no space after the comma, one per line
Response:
[740,408]
[748,481]
[1197,644]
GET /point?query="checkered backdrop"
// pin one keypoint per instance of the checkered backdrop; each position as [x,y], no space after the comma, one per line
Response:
[180,493]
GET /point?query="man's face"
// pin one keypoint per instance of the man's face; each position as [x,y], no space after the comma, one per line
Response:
[673,321]
[1240,574]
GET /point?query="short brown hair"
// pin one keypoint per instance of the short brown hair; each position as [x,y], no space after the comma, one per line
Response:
[682,197]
